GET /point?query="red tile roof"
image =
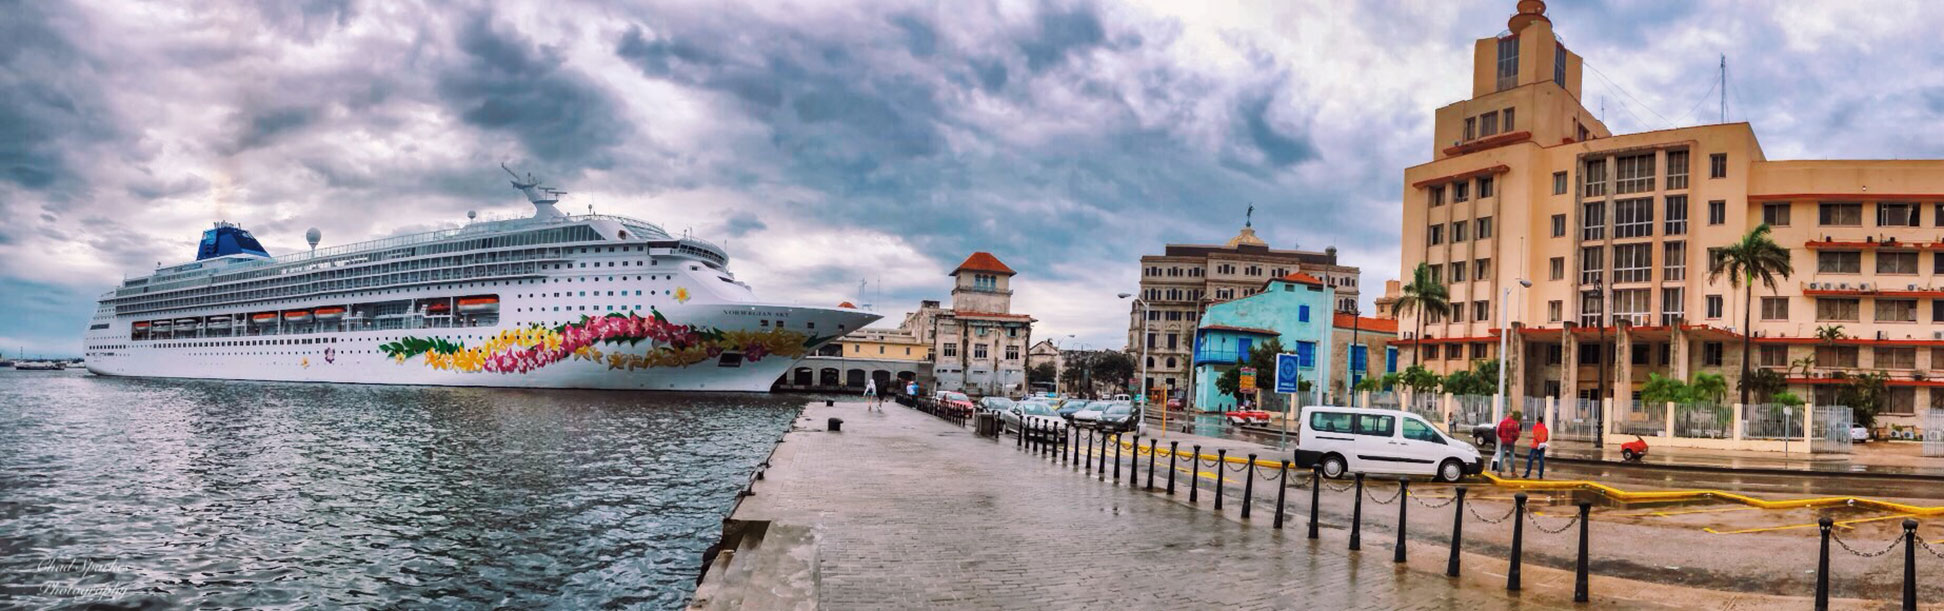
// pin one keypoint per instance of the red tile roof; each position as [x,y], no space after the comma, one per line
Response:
[983,262]
[1302,278]
[1379,325]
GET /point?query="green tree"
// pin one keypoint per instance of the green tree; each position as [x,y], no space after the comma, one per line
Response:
[1262,357]
[1754,258]
[1830,334]
[1766,382]
[1424,295]
[1419,379]
[1866,393]
[1112,368]
[1711,387]
[1043,372]
[1786,398]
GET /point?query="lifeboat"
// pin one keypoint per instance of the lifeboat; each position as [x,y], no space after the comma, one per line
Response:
[477,305]
[437,307]
[221,321]
[162,325]
[263,318]
[297,316]
[188,324]
[141,326]
[328,313]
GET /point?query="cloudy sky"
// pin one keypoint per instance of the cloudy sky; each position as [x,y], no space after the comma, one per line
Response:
[831,142]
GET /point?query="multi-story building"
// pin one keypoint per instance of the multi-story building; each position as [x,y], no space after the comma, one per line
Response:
[1615,234]
[1364,345]
[1178,286]
[978,345]
[1292,309]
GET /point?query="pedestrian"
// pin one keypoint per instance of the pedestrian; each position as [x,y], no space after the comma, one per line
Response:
[1540,437]
[871,395]
[1508,436]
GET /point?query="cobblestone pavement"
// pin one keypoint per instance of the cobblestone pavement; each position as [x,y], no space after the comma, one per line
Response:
[912,512]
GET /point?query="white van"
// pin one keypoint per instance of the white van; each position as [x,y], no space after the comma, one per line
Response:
[1348,440]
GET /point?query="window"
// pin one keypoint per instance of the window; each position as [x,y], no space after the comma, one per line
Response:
[1633,305]
[1775,308]
[1484,187]
[1901,401]
[1776,214]
[1896,214]
[1507,113]
[1437,273]
[1459,191]
[1592,263]
[1595,178]
[1435,195]
[1836,356]
[1711,354]
[1458,231]
[1302,314]
[1937,267]
[1375,425]
[1481,310]
[1896,263]
[1435,236]
[1559,183]
[951,349]
[1673,261]
[1773,356]
[1840,215]
[1484,227]
[1718,165]
[1480,267]
[1556,268]
[1553,311]
[1717,212]
[1632,263]
[1508,62]
[1839,262]
[1673,306]
[1838,308]
[1633,218]
[1431,352]
[1714,306]
[1676,215]
[979,350]
[1458,271]
[1593,221]
[1633,174]
[1418,430]
[1012,352]
[1471,128]
[1896,310]
[1329,422]
[1677,170]
[1487,126]
[1559,228]
[1890,357]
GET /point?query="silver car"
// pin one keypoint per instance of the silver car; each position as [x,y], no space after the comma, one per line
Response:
[1038,417]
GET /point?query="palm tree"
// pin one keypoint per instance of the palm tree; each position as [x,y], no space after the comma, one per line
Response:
[1830,334]
[1755,257]
[1424,295]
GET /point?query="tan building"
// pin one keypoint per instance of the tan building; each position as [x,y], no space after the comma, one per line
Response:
[886,344]
[1364,345]
[1179,285]
[1524,182]
[978,345]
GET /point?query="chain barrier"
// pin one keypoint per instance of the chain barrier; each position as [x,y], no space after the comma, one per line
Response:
[1333,487]
[1238,467]
[1268,475]
[1447,502]
[1393,498]
[1473,509]
[1927,547]
[1531,517]
[1846,546]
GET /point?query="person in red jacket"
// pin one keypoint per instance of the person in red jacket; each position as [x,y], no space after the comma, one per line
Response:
[1508,436]
[1540,438]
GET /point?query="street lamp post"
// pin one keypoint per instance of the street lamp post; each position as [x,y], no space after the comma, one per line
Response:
[1505,328]
[1599,397]
[1144,345]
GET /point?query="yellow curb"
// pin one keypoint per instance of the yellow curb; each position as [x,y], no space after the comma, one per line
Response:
[1703,495]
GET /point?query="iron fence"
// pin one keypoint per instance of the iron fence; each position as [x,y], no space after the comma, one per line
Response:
[1703,420]
[1831,429]
[1771,421]
[1577,420]
[1647,419]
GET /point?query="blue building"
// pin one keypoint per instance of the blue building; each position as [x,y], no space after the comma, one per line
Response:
[1296,309]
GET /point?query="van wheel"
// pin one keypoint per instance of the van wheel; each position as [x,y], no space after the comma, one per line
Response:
[1334,466]
[1451,471]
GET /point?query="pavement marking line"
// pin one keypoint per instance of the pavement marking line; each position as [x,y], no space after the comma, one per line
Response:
[1663,514]
[1838,524]
[1702,495]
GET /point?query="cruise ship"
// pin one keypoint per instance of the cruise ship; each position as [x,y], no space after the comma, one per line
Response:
[549,301]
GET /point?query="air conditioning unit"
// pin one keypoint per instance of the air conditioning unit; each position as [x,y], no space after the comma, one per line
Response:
[1937,335]
[1863,286]
[1913,287]
[1843,286]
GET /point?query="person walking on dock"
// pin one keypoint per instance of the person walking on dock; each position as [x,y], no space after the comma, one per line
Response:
[871,398]
[1508,436]
[1540,439]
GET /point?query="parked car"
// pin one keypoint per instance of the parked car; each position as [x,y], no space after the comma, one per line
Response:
[1859,434]
[1121,418]
[1066,410]
[995,404]
[1347,440]
[1035,415]
[1091,415]
[955,400]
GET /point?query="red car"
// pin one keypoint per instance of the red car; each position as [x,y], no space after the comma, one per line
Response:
[1239,418]
[956,400]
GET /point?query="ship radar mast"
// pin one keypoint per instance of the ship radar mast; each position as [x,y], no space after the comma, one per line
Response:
[543,197]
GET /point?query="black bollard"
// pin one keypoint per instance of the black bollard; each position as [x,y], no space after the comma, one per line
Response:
[1579,569]
[1248,488]
[1152,445]
[1117,457]
[1518,540]
[1282,487]
[1089,457]
[1457,533]
[1221,467]
[1910,564]
[1356,517]
[1822,566]
[1194,479]
[1403,507]
[1022,430]
[1316,495]
[1174,449]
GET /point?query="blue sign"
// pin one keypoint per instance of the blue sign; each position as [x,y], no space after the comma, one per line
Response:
[1286,372]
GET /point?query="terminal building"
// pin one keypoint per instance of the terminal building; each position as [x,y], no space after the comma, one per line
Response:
[1616,231]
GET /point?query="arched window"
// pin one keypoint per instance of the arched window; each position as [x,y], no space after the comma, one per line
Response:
[1171,362]
[1150,361]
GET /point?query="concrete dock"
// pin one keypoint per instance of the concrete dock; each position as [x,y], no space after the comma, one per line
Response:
[901,510]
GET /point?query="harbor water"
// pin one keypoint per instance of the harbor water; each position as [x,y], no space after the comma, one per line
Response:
[158,493]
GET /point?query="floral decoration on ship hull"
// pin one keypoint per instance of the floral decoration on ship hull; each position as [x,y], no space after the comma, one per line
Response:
[670,345]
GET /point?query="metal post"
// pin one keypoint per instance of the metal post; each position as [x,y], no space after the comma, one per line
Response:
[1518,540]
[1194,483]
[1152,446]
[1282,488]
[1221,467]
[1356,517]
[1248,488]
[1910,565]
[1089,457]
[1174,450]
[1316,495]
[1022,430]
[1102,471]
[1403,509]
[1457,533]
[1134,459]
[1822,565]
[1117,456]
[1579,569]
[1066,447]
